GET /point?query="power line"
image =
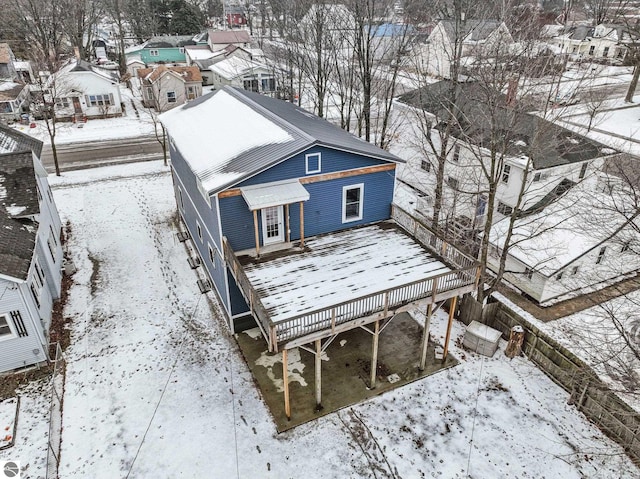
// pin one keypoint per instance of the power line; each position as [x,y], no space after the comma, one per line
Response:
[164,389]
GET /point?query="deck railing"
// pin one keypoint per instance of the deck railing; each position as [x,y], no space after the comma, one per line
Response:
[443,286]
[428,238]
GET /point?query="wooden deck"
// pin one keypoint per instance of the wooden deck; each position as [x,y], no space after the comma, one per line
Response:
[348,279]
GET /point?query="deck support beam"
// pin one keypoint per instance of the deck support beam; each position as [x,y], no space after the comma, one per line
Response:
[285,379]
[425,336]
[452,310]
[374,354]
[302,224]
[318,374]
[255,227]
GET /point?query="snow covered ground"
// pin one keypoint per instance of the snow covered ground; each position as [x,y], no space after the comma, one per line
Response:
[156,386]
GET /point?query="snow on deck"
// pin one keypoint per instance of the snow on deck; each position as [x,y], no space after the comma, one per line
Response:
[340,267]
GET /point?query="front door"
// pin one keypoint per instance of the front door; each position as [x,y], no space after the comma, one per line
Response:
[272,225]
[76,104]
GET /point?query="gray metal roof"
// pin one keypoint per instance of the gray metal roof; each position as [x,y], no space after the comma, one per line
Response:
[546,143]
[303,128]
[18,200]
[318,129]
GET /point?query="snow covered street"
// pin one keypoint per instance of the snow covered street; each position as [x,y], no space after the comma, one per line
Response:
[156,386]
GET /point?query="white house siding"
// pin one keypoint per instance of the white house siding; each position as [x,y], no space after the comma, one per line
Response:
[168,82]
[84,85]
[17,352]
[49,220]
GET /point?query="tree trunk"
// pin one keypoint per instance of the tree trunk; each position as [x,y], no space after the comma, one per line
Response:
[632,86]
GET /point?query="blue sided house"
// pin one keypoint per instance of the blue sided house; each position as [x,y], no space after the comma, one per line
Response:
[291,218]
[30,252]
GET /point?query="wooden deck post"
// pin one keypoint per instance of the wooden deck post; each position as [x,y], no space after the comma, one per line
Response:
[302,224]
[255,227]
[285,379]
[374,354]
[318,375]
[452,310]
[425,336]
[286,221]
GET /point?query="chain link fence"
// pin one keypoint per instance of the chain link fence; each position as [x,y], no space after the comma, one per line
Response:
[55,414]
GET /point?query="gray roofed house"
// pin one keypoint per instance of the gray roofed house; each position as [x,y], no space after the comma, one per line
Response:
[30,252]
[169,41]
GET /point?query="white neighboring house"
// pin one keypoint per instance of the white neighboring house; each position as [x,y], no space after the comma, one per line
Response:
[164,88]
[243,73]
[14,93]
[203,57]
[586,41]
[577,244]
[30,252]
[480,38]
[220,39]
[81,90]
[560,158]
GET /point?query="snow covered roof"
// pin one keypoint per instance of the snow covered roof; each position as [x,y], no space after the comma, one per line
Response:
[338,267]
[567,229]
[169,41]
[233,67]
[201,52]
[188,74]
[232,134]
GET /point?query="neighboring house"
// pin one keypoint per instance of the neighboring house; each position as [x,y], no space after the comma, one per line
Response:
[81,90]
[391,40]
[289,215]
[163,49]
[235,16]
[481,40]
[133,65]
[14,92]
[219,39]
[554,158]
[577,244]
[30,252]
[203,57]
[586,41]
[242,73]
[165,87]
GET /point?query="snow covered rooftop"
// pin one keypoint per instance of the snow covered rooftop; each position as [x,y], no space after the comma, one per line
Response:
[565,230]
[230,134]
[233,67]
[340,267]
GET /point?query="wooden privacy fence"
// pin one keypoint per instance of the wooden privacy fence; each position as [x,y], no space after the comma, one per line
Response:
[587,392]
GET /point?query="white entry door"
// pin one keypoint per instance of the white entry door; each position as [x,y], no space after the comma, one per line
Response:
[272,225]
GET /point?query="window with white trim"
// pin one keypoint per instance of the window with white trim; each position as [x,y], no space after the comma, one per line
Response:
[506,172]
[180,199]
[452,182]
[52,243]
[425,165]
[313,163]
[6,331]
[100,100]
[352,202]
[154,53]
[171,97]
[504,209]
[37,281]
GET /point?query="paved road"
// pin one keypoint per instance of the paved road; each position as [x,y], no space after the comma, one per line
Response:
[73,156]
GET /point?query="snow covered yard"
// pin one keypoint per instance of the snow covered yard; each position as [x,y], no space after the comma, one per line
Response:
[156,386]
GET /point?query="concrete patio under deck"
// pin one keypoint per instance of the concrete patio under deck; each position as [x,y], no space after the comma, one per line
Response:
[345,369]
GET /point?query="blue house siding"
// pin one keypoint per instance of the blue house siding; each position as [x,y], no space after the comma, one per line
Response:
[167,55]
[238,304]
[332,161]
[322,212]
[196,212]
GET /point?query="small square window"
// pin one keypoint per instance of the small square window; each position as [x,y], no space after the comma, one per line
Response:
[352,197]
[537,176]
[559,275]
[504,209]
[313,163]
[5,327]
[625,247]
[425,165]
[154,53]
